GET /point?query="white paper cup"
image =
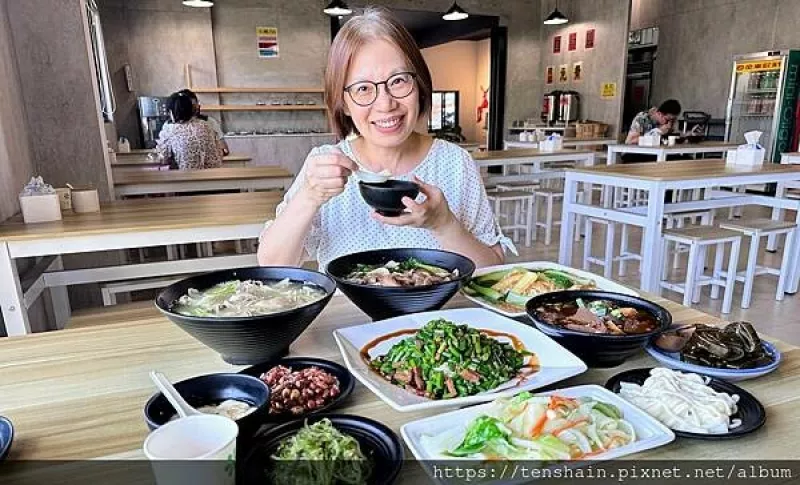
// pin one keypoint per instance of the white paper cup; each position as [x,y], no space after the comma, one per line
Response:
[199,450]
[672,141]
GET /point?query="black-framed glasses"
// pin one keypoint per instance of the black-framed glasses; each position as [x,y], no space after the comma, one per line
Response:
[364,93]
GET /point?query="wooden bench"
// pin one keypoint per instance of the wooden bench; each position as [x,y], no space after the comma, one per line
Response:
[125,313]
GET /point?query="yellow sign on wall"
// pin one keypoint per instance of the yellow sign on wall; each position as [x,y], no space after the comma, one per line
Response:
[608,90]
[758,66]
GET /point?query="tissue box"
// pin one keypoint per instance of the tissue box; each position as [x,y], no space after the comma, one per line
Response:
[746,157]
[649,141]
[551,145]
[40,208]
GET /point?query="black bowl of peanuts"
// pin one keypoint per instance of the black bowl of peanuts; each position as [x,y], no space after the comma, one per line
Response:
[300,386]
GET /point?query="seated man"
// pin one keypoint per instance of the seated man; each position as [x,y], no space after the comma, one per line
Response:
[661,118]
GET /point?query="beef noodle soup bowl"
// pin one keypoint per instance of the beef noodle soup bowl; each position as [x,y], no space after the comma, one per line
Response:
[386,283]
[248,315]
[600,327]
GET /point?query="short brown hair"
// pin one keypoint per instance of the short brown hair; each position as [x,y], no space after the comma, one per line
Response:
[373,24]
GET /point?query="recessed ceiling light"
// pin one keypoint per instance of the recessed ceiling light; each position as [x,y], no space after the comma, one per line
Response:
[198,3]
[337,8]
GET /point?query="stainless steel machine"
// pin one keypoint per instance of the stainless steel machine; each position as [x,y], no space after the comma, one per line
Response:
[570,107]
[153,114]
[561,107]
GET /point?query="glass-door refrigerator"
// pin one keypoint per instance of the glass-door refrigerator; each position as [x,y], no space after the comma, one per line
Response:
[763,97]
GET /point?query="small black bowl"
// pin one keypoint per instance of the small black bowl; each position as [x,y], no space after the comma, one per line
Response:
[212,389]
[346,382]
[6,436]
[380,302]
[379,443]
[247,340]
[750,411]
[598,350]
[387,197]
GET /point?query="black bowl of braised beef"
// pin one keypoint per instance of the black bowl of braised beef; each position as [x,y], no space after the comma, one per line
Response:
[212,390]
[249,339]
[387,197]
[602,328]
[321,385]
[380,446]
[413,288]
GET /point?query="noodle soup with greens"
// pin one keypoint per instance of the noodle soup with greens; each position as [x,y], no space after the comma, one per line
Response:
[247,298]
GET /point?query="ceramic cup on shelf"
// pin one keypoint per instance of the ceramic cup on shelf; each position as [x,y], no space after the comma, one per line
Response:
[199,449]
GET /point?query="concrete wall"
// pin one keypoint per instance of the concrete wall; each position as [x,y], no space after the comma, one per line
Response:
[454,67]
[697,42]
[604,63]
[58,90]
[16,164]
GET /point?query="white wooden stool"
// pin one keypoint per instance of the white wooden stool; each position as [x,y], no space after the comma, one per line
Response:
[699,239]
[522,213]
[607,260]
[756,229]
[549,197]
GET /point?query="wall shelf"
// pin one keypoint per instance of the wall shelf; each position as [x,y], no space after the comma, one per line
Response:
[258,107]
[222,90]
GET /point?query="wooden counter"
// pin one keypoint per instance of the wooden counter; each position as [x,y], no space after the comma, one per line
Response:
[213,179]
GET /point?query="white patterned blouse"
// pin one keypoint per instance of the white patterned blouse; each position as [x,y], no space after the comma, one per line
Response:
[344,226]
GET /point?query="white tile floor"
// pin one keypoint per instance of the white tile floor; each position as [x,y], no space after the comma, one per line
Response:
[775,318]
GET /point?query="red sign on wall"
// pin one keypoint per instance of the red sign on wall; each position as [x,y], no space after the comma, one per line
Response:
[590,39]
[557,44]
[573,41]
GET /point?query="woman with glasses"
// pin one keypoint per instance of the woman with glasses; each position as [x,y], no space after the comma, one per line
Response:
[378,90]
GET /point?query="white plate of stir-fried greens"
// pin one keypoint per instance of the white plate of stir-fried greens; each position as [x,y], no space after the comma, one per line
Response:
[452,358]
[507,288]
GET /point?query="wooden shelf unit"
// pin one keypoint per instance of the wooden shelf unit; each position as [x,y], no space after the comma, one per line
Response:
[223,90]
[258,107]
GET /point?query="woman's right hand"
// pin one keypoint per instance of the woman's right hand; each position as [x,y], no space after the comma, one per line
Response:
[326,176]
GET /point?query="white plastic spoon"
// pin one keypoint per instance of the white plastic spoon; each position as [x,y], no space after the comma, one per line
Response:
[172,395]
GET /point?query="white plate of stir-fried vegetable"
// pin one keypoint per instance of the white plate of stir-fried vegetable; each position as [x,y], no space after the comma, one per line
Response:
[581,423]
[507,288]
[452,357]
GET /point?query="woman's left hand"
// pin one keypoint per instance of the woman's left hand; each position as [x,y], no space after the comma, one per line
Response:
[433,214]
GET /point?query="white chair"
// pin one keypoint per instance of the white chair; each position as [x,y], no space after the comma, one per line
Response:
[756,229]
[607,260]
[521,214]
[699,239]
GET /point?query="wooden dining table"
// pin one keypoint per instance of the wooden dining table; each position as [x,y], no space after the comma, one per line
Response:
[661,152]
[147,182]
[656,179]
[79,394]
[122,224]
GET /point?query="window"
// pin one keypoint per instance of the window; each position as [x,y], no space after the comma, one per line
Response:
[107,104]
[444,111]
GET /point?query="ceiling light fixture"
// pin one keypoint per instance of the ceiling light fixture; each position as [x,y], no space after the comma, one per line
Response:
[337,8]
[455,13]
[198,3]
[556,17]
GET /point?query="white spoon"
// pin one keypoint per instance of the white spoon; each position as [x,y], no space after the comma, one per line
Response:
[366,175]
[172,395]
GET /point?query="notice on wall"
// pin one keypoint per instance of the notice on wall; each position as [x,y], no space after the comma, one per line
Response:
[573,41]
[550,75]
[557,44]
[608,90]
[589,39]
[267,42]
[577,72]
[563,73]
